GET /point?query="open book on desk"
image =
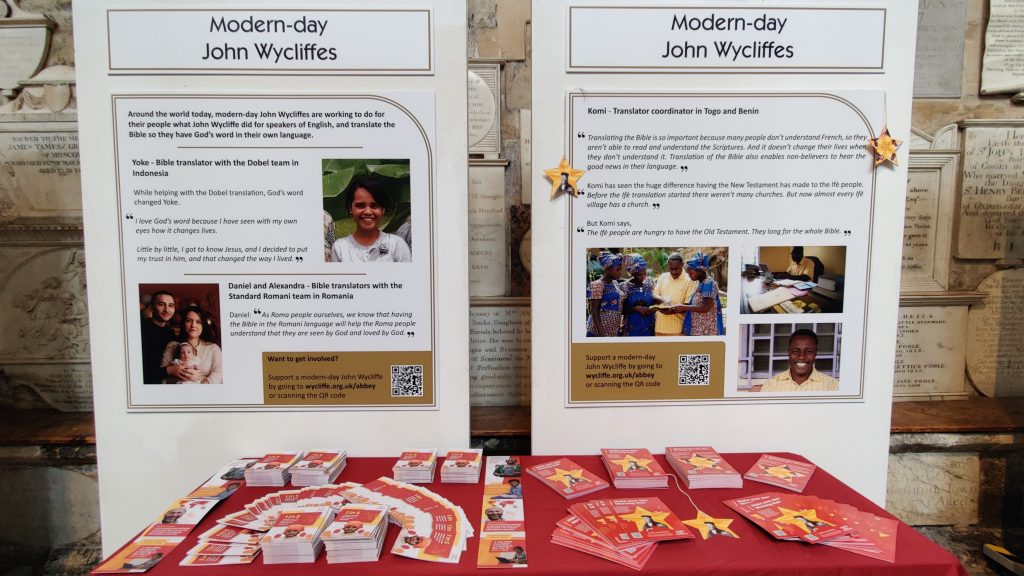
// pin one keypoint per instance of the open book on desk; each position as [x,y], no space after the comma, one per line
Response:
[769,299]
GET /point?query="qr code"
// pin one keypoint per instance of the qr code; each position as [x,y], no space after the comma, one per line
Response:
[406,380]
[694,369]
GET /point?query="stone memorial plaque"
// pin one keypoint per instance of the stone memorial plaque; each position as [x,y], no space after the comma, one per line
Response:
[484,100]
[39,170]
[499,355]
[928,221]
[24,43]
[1002,68]
[992,200]
[64,387]
[526,150]
[931,351]
[938,63]
[488,230]
[934,489]
[995,340]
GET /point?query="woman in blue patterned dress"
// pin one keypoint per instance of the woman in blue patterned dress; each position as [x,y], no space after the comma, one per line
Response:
[604,301]
[704,311]
[637,297]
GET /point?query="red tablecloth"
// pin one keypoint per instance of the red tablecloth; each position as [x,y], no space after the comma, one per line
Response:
[755,553]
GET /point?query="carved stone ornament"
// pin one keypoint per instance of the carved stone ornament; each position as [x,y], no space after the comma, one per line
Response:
[24,44]
[52,90]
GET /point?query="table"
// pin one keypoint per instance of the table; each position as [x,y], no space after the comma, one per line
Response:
[754,553]
[752,286]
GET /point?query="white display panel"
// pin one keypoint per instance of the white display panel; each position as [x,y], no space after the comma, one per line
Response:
[741,164]
[236,210]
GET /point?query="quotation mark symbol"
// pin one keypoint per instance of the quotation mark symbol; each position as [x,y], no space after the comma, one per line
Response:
[257,312]
[684,168]
[129,216]
[411,334]
[847,232]
[298,258]
[579,229]
[656,205]
[580,135]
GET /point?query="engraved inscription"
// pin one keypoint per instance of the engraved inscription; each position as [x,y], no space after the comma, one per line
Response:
[931,489]
[499,356]
[930,350]
[940,48]
[992,203]
[995,340]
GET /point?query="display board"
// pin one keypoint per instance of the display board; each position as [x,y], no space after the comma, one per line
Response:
[727,179]
[268,204]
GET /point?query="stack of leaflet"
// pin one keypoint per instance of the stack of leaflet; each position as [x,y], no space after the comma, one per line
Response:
[462,466]
[702,467]
[567,478]
[357,534]
[416,466]
[633,468]
[782,472]
[262,513]
[224,545]
[433,528]
[296,536]
[272,469]
[623,530]
[318,467]
[818,521]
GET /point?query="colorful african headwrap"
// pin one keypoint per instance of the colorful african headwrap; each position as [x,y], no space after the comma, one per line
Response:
[635,263]
[700,261]
[608,260]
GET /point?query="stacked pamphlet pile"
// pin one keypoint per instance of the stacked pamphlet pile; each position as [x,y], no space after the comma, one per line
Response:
[272,469]
[357,534]
[567,478]
[462,466]
[623,530]
[633,468]
[262,513]
[318,467]
[782,472]
[296,536]
[223,545]
[433,528]
[416,466]
[702,467]
[818,521]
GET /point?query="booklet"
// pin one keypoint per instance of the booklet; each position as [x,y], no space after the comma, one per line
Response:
[782,472]
[567,478]
[625,522]
[702,467]
[633,468]
[225,481]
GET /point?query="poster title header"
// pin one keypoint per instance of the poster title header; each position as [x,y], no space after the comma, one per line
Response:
[664,39]
[269,50]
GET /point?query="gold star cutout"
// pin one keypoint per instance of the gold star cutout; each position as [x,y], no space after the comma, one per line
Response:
[571,176]
[783,472]
[807,520]
[710,527]
[561,476]
[702,463]
[884,147]
[642,463]
[637,517]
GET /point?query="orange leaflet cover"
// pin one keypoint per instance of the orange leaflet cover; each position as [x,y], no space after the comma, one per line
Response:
[631,463]
[502,515]
[502,550]
[299,524]
[416,459]
[567,478]
[625,522]
[276,460]
[782,472]
[139,556]
[698,460]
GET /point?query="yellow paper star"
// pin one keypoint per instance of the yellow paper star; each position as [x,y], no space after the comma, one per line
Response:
[702,463]
[642,463]
[567,186]
[637,517]
[560,476]
[709,526]
[884,147]
[783,472]
[807,520]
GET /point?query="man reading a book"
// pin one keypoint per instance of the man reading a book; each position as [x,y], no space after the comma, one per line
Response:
[802,376]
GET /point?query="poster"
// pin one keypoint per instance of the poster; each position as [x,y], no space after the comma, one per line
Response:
[774,190]
[230,205]
[276,234]
[727,193]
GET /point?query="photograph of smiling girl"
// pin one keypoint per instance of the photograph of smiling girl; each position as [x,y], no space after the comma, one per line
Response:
[367,210]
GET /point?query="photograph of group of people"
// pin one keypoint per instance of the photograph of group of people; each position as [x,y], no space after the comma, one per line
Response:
[180,334]
[656,291]
[790,357]
[367,210]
